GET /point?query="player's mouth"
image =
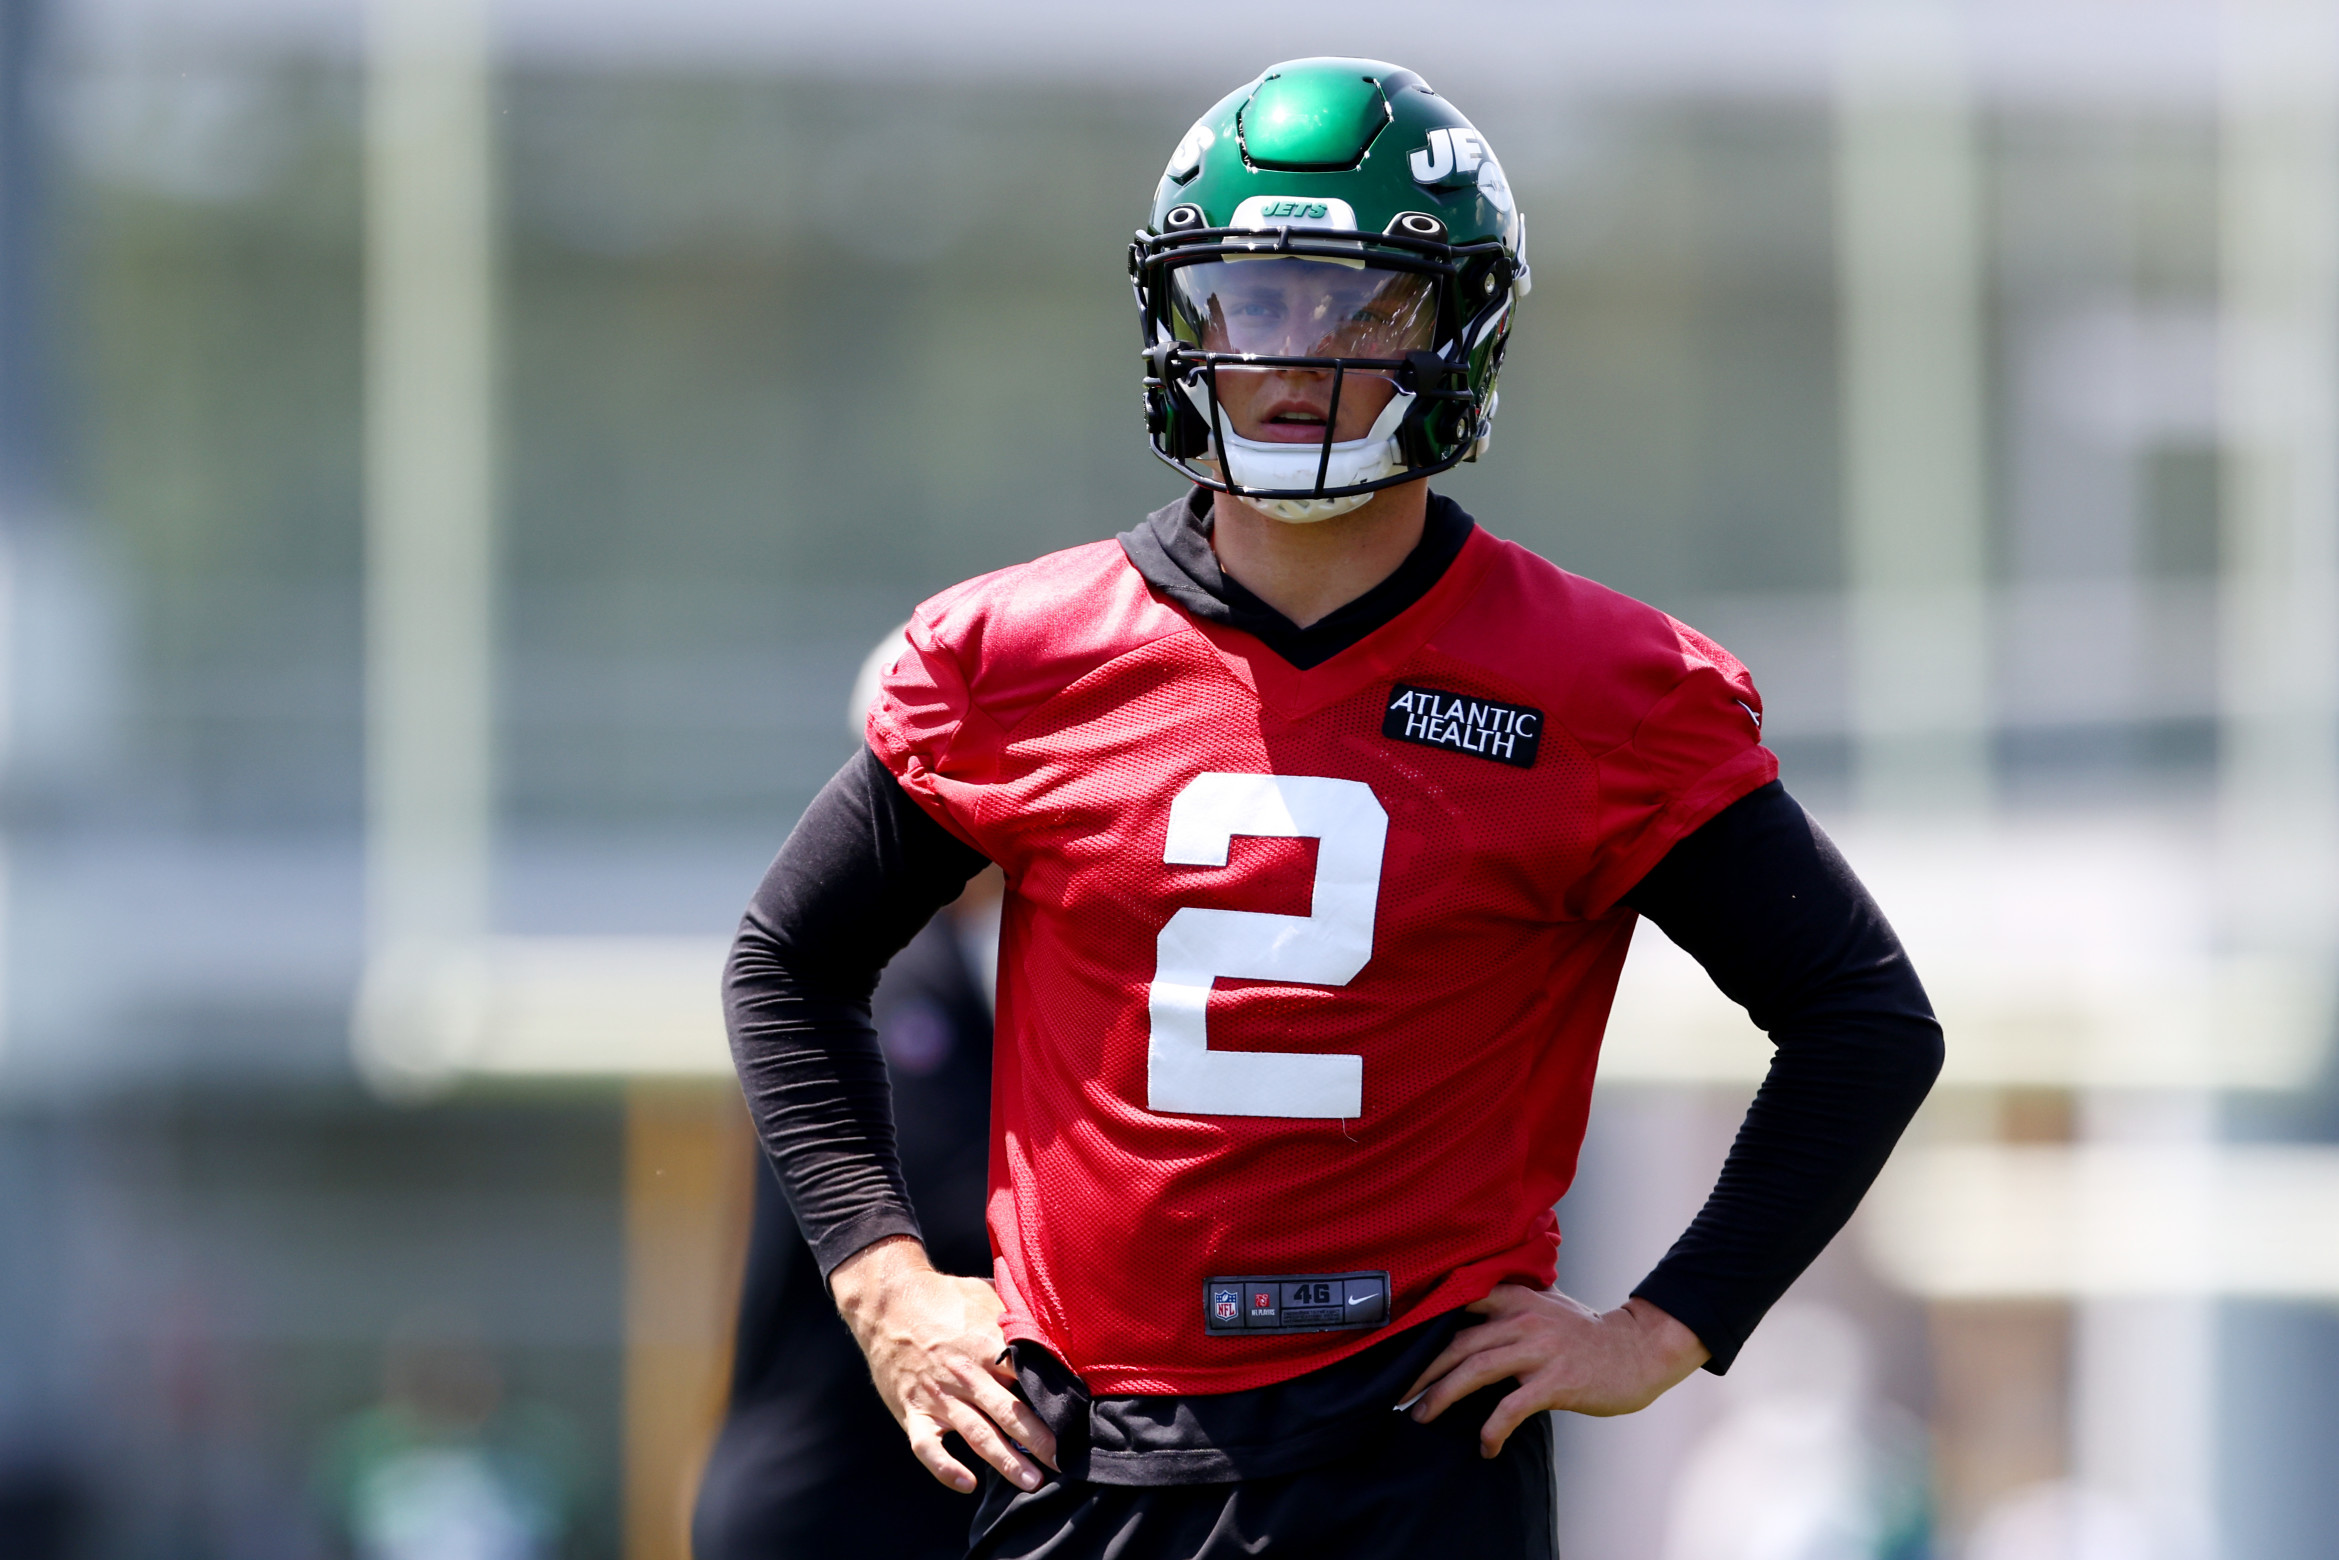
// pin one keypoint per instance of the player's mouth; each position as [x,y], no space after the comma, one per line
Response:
[1292,424]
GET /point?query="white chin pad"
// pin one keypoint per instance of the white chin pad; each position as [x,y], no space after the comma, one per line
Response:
[1254,463]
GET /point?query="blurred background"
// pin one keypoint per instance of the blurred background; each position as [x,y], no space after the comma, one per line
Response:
[454,455]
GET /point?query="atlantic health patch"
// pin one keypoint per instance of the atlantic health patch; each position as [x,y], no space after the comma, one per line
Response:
[1483,728]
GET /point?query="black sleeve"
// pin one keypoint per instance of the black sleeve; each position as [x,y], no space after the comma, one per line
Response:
[1762,899]
[863,870]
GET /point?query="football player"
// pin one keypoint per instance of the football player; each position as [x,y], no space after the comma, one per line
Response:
[1326,817]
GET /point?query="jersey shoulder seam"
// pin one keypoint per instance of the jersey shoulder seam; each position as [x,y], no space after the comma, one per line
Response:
[1649,714]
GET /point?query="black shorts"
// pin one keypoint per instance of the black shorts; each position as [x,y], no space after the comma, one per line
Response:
[1408,1490]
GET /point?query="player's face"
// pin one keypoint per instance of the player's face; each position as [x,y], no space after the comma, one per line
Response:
[1290,307]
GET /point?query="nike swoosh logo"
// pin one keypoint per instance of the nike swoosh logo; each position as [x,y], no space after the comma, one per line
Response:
[1361,1299]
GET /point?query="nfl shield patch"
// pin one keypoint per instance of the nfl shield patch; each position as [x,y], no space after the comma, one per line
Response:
[1225,1305]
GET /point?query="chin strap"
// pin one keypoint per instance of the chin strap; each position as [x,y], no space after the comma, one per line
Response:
[1306,511]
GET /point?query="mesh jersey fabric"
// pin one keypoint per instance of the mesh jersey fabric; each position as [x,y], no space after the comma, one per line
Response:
[1052,714]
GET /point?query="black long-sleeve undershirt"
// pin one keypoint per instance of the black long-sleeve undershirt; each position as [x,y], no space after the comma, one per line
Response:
[1764,901]
[863,870]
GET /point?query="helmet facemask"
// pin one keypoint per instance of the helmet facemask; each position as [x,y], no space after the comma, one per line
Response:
[1303,371]
[1297,368]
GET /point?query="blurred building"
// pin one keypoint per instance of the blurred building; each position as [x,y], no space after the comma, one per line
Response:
[453,457]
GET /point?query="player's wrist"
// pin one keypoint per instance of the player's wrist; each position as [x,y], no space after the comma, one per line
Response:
[864,1282]
[1672,1349]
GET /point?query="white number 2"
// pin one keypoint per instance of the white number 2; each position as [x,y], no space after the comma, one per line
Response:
[1326,947]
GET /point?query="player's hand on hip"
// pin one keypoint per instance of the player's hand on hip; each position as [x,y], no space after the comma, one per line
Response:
[935,1352]
[1564,1354]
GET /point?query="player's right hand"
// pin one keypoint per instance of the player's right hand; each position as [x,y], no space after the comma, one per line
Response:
[937,1356]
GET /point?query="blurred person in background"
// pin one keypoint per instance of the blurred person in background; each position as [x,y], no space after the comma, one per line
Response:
[444,1467]
[1272,1261]
[808,1462]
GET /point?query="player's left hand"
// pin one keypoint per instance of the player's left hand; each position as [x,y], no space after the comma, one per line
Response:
[1565,1354]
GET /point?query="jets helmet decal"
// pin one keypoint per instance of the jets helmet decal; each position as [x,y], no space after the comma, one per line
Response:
[1336,225]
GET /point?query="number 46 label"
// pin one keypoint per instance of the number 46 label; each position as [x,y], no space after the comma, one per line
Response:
[1326,947]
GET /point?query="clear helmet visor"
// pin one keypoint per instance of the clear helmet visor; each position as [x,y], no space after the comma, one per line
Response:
[1295,306]
[1287,306]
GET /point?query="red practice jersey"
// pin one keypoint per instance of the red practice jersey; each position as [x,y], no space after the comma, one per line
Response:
[1301,972]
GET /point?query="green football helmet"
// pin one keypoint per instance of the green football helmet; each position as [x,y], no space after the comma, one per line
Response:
[1334,223]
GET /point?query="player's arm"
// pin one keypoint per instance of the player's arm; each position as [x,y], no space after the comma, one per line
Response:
[1765,902]
[1762,898]
[862,871]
